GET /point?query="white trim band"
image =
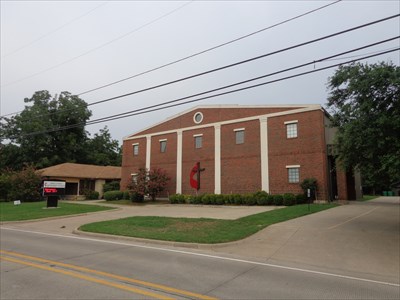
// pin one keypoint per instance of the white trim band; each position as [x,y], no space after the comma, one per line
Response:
[291,122]
[239,129]
[292,166]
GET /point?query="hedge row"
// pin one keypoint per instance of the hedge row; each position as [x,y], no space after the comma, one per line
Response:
[119,195]
[259,198]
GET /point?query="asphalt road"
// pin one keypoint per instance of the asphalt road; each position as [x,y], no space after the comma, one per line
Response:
[52,266]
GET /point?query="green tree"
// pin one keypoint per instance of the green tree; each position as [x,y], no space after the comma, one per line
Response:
[103,150]
[45,134]
[34,130]
[365,105]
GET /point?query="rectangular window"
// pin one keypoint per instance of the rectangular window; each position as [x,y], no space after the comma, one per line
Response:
[293,174]
[198,141]
[135,149]
[163,146]
[291,130]
[239,135]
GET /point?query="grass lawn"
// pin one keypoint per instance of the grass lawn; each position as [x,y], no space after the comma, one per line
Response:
[37,210]
[207,231]
[369,197]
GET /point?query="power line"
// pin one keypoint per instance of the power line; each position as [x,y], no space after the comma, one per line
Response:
[53,31]
[98,47]
[174,104]
[201,52]
[209,49]
[240,62]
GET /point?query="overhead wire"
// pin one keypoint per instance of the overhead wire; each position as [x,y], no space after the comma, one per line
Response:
[202,52]
[209,49]
[173,103]
[98,47]
[54,30]
[238,63]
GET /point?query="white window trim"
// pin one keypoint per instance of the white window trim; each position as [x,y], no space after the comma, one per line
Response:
[292,166]
[163,140]
[194,117]
[291,122]
[196,135]
[238,129]
[135,144]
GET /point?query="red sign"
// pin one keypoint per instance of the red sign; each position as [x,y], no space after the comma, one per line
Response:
[195,176]
[194,183]
[50,191]
[53,188]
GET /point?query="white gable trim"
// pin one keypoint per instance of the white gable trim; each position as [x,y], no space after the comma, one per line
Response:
[283,113]
[303,106]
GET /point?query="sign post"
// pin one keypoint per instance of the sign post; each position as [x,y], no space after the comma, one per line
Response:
[53,189]
[309,198]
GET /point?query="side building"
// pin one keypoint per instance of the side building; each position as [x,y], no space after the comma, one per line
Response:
[242,149]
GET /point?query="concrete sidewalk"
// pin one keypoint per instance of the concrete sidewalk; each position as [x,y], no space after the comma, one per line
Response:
[358,239]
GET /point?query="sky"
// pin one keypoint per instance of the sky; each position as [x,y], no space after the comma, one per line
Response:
[77,46]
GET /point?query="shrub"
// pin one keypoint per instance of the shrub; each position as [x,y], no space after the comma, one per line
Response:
[237,199]
[249,199]
[136,197]
[278,200]
[175,199]
[289,199]
[91,195]
[219,199]
[25,185]
[111,186]
[270,200]
[150,182]
[261,197]
[126,195]
[309,183]
[206,199]
[195,199]
[113,195]
[301,198]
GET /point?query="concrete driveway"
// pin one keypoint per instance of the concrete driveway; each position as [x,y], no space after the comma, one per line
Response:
[358,239]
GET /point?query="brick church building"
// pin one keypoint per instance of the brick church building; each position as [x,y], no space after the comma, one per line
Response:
[242,149]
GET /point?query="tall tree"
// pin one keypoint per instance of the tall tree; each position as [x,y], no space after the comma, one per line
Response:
[34,130]
[103,150]
[365,105]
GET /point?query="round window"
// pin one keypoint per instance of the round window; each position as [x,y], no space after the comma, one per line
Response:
[198,117]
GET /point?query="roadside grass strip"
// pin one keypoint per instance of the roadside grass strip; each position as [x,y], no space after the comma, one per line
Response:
[120,281]
[200,230]
[38,210]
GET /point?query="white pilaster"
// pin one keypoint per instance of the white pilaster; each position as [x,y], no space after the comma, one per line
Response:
[148,151]
[179,163]
[264,154]
[217,156]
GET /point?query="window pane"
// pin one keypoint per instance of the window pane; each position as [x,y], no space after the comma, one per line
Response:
[135,149]
[198,141]
[240,137]
[163,146]
[291,130]
[294,175]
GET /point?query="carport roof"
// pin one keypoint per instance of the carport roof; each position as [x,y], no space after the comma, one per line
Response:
[81,171]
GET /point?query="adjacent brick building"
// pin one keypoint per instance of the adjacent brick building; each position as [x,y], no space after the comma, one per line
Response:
[242,149]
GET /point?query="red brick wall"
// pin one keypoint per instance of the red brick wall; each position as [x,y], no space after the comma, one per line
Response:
[212,115]
[240,164]
[165,160]
[130,163]
[307,150]
[204,155]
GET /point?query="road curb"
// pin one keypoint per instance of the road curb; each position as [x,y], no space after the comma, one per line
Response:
[159,242]
[59,217]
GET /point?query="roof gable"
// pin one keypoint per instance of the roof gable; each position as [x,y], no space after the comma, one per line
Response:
[72,170]
[215,114]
